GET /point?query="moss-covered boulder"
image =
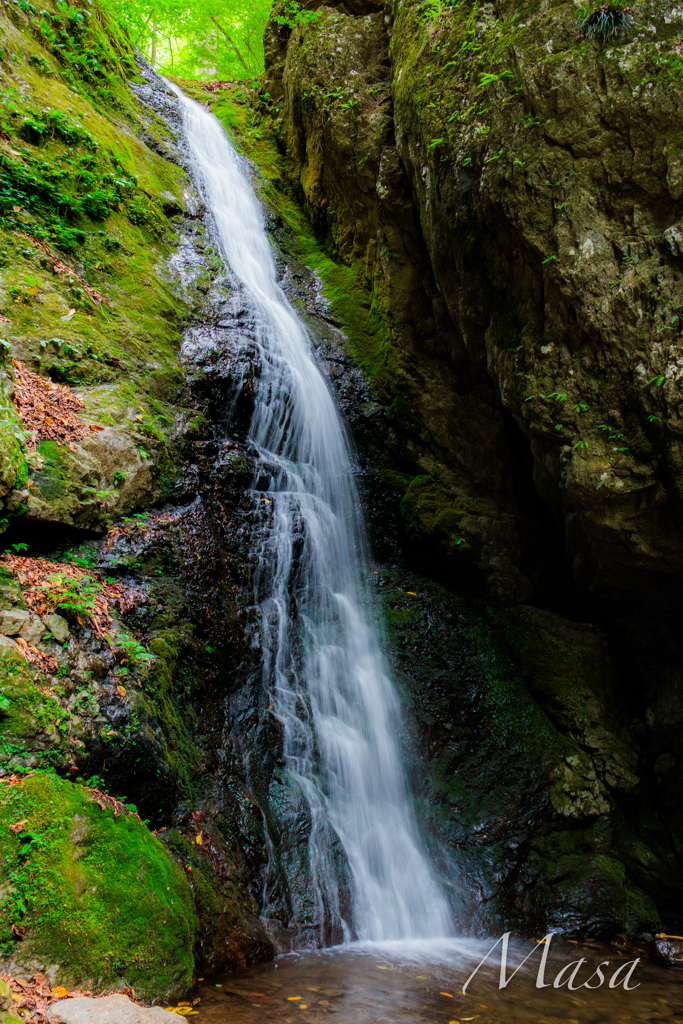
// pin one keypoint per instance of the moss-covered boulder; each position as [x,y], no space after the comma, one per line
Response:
[89,896]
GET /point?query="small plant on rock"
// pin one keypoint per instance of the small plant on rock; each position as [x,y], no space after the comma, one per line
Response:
[606,22]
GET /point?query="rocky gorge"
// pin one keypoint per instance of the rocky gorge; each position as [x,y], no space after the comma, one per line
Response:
[475,211]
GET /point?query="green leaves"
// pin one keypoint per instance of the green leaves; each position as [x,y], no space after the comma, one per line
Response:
[185,39]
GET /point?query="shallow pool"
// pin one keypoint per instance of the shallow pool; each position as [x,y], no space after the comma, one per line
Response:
[419,982]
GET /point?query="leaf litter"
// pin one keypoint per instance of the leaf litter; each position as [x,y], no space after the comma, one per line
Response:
[48,411]
[52,585]
[32,999]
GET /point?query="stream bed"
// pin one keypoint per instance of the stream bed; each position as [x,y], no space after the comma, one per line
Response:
[421,983]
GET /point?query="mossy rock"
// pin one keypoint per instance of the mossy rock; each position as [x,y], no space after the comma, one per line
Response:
[98,897]
[30,719]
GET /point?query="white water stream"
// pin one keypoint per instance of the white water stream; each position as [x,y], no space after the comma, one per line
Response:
[322,661]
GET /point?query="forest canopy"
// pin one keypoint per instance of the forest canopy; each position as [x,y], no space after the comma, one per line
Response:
[198,38]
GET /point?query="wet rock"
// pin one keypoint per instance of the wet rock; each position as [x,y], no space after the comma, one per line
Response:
[668,951]
[116,1009]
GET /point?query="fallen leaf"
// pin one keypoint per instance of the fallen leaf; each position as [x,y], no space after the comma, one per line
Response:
[94,426]
[19,825]
[450,996]
[293,999]
[198,840]
[60,992]
[411,592]
[69,316]
[303,1006]
[121,692]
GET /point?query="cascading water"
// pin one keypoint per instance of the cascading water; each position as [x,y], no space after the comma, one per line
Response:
[321,658]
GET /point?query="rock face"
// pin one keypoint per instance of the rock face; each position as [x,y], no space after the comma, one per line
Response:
[125,695]
[505,196]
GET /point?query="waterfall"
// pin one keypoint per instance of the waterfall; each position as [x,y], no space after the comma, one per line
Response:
[322,662]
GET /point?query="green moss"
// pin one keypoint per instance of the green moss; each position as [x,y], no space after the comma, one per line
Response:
[431,508]
[160,702]
[96,894]
[24,709]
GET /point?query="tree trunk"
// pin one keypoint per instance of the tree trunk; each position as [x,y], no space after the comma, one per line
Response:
[221,29]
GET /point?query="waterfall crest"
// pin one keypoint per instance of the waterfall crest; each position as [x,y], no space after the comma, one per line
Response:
[322,662]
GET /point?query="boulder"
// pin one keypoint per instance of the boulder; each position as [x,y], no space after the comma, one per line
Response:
[116,1009]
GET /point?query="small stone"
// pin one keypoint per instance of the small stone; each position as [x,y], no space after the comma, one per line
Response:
[58,626]
[116,1009]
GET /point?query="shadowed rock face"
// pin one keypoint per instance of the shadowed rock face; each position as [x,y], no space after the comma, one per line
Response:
[509,197]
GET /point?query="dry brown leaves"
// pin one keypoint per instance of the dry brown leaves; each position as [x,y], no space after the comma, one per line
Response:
[104,800]
[47,582]
[35,997]
[47,410]
[216,86]
[145,527]
[15,780]
[61,268]
[44,662]
[4,319]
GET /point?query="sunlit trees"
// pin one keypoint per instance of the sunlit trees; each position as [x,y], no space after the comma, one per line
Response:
[198,38]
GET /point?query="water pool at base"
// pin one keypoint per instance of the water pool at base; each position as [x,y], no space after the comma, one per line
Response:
[421,983]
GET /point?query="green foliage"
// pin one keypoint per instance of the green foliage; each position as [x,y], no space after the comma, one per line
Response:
[201,38]
[133,651]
